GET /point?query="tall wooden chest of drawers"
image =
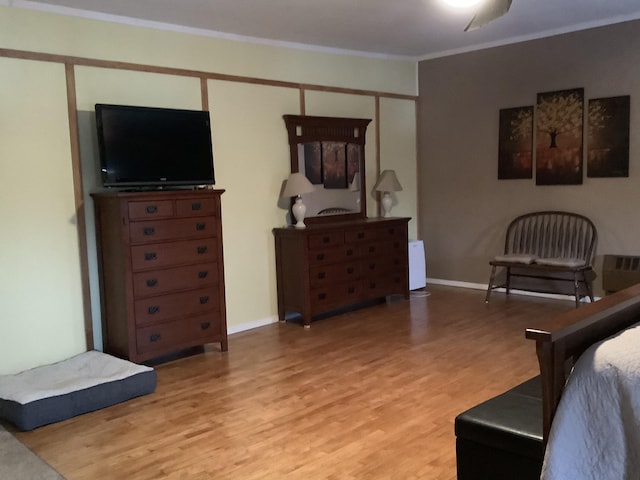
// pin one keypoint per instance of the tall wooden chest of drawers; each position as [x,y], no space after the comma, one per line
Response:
[328,266]
[161,271]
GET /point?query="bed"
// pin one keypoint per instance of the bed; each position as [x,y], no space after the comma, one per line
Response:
[590,371]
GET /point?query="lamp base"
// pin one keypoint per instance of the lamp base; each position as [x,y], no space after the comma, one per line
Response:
[299,210]
[386,202]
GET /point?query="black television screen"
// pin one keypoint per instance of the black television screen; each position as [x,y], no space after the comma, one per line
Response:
[153,147]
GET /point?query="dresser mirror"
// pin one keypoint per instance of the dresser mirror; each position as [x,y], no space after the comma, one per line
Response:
[330,152]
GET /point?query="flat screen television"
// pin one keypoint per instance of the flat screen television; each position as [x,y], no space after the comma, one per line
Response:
[154,147]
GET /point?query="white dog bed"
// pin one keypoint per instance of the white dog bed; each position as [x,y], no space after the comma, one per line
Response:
[84,383]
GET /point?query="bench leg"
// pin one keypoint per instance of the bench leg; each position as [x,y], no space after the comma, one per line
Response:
[588,285]
[508,287]
[576,287]
[490,287]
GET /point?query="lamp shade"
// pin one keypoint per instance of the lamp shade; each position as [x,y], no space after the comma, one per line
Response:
[297,184]
[355,183]
[388,182]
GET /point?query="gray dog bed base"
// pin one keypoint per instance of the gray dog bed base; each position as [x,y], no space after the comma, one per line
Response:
[81,384]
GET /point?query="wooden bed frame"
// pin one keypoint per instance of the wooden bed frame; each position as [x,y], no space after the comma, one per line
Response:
[561,340]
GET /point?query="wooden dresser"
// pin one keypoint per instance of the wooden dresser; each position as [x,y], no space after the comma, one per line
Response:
[332,265]
[161,271]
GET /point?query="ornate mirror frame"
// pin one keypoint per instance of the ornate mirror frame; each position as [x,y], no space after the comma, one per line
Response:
[330,152]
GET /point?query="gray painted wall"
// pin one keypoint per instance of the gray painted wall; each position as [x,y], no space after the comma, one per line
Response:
[464,209]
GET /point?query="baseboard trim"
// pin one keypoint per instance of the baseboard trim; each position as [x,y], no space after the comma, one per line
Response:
[480,286]
[251,325]
[433,281]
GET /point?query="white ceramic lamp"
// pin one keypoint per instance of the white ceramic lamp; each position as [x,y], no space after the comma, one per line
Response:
[297,184]
[387,183]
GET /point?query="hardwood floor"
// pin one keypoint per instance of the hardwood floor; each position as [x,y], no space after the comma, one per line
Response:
[369,394]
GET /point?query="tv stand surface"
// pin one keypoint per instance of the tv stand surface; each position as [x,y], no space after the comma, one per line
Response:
[160,188]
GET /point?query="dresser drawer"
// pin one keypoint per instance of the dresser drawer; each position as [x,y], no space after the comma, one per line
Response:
[387,248]
[323,240]
[383,264]
[180,333]
[160,255]
[335,295]
[383,285]
[190,207]
[150,209]
[159,309]
[373,249]
[393,232]
[326,256]
[361,235]
[332,274]
[159,230]
[156,282]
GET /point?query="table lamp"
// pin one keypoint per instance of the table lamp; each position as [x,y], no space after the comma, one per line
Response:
[298,184]
[387,183]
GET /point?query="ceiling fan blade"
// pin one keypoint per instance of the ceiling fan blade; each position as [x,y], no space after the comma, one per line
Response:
[489,11]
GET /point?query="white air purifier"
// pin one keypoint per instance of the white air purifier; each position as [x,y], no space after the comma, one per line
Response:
[417,265]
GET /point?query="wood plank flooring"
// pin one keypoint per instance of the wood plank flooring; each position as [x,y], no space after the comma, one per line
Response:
[369,394]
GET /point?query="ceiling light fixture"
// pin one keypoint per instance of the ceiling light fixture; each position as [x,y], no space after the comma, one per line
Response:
[462,3]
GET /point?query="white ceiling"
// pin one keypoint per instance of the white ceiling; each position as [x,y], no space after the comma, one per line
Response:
[414,29]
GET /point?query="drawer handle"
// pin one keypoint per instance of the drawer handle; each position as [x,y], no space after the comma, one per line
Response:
[326,239]
[397,261]
[196,206]
[350,270]
[321,275]
[200,226]
[202,250]
[152,282]
[205,325]
[372,266]
[349,252]
[149,231]
[204,299]
[150,256]
[392,231]
[203,274]
[152,209]
[154,337]
[153,309]
[320,256]
[351,289]
[372,249]
[360,235]
[322,296]
[372,285]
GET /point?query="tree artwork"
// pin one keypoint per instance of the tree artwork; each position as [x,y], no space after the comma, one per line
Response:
[515,143]
[559,137]
[608,137]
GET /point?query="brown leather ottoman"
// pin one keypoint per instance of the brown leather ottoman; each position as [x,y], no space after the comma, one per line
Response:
[501,438]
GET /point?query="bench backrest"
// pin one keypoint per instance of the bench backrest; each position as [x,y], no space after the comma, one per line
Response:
[552,234]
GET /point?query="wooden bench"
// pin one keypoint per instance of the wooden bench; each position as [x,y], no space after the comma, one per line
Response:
[553,246]
[505,436]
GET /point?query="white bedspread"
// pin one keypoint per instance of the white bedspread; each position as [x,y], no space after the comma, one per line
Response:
[596,431]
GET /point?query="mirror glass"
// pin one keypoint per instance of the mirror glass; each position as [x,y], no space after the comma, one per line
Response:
[330,152]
